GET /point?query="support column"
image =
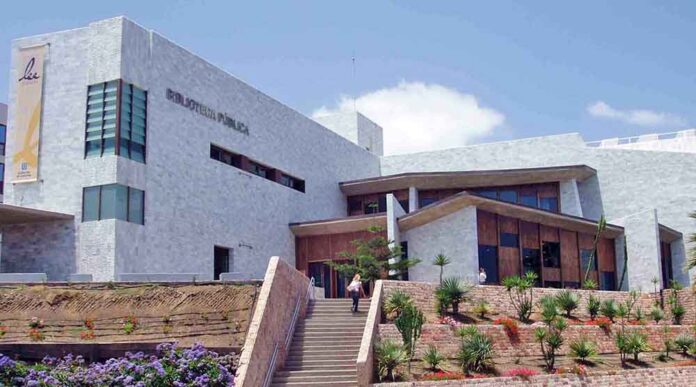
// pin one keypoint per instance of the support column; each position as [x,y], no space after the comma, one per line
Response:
[412,199]
[643,247]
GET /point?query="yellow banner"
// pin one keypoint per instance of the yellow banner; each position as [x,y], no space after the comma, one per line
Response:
[27,117]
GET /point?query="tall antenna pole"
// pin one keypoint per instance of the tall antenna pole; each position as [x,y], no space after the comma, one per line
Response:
[355,108]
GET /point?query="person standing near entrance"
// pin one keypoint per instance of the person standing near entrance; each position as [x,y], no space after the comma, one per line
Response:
[482,276]
[355,290]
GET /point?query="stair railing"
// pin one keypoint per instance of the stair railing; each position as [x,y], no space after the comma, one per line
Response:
[309,295]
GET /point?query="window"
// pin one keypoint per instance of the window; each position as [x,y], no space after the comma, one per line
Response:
[3,133]
[531,262]
[426,201]
[404,255]
[571,284]
[608,280]
[116,120]
[552,284]
[529,200]
[585,260]
[221,262]
[404,205]
[509,240]
[488,260]
[549,204]
[354,205]
[488,194]
[113,201]
[235,160]
[508,196]
[551,251]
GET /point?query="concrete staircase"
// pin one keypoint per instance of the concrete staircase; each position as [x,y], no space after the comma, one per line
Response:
[325,345]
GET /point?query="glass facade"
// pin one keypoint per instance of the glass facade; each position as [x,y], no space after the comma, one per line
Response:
[113,201]
[116,120]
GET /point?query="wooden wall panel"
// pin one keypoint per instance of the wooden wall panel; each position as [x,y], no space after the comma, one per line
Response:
[547,190]
[318,248]
[529,235]
[301,255]
[570,257]
[508,225]
[585,241]
[551,274]
[509,262]
[606,255]
[549,234]
[487,228]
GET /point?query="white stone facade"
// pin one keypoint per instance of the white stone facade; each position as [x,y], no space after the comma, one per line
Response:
[193,203]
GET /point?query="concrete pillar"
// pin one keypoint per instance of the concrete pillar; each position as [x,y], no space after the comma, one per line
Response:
[643,246]
[679,258]
[570,198]
[394,212]
[412,199]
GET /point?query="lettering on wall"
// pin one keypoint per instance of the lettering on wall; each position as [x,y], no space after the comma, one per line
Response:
[206,111]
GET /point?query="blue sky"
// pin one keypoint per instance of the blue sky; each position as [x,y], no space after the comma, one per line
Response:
[490,70]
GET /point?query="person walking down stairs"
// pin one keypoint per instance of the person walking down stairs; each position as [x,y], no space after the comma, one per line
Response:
[356,291]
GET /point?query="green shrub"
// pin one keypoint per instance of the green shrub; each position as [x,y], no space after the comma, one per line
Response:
[550,337]
[583,349]
[609,309]
[678,312]
[390,356]
[593,306]
[451,293]
[432,358]
[475,352]
[396,302]
[467,331]
[521,293]
[640,316]
[482,309]
[657,314]
[568,301]
[631,343]
[409,324]
[684,342]
[548,308]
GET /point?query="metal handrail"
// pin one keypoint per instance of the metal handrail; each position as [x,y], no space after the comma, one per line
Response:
[309,295]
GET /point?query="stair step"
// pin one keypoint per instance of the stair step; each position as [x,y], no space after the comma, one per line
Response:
[316,377]
[314,357]
[334,339]
[333,335]
[330,384]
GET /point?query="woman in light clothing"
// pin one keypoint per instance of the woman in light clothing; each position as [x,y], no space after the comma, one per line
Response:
[355,290]
[482,276]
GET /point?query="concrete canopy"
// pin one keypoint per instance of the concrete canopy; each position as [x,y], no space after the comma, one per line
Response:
[18,215]
[530,214]
[339,226]
[466,179]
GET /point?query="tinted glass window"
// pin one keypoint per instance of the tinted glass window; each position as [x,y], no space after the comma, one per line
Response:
[529,200]
[550,204]
[571,284]
[136,201]
[90,204]
[552,284]
[608,280]
[371,207]
[585,260]
[552,254]
[404,205]
[488,260]
[509,239]
[531,262]
[354,205]
[426,201]
[508,196]
[382,203]
[488,194]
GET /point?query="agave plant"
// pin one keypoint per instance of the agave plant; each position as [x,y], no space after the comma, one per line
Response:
[657,314]
[593,306]
[583,349]
[453,291]
[521,293]
[475,352]
[609,309]
[684,343]
[390,356]
[432,358]
[568,301]
[396,303]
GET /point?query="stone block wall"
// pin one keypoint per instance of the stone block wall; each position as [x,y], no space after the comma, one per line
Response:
[655,377]
[423,295]
[445,339]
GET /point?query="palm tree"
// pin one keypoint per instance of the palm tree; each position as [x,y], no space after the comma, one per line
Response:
[442,261]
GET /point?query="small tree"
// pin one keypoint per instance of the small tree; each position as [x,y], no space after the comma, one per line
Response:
[521,293]
[432,358]
[583,349]
[409,324]
[390,355]
[396,303]
[371,258]
[568,301]
[442,261]
[601,225]
[550,338]
[452,292]
[476,349]
[675,306]
[691,263]
[593,306]
[657,314]
[609,309]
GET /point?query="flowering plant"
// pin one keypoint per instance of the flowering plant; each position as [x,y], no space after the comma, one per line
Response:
[577,369]
[36,323]
[195,366]
[87,334]
[3,330]
[89,324]
[524,373]
[35,334]
[447,320]
[602,322]
[130,323]
[511,327]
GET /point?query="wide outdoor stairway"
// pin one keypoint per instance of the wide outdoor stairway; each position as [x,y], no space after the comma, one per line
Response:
[325,345]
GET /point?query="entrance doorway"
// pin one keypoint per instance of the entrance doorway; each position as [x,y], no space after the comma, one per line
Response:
[221,262]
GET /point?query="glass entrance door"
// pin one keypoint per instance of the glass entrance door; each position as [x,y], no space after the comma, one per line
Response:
[321,274]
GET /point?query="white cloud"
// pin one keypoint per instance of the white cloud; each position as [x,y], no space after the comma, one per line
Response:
[637,117]
[418,116]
